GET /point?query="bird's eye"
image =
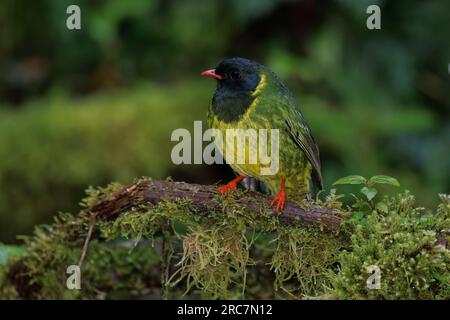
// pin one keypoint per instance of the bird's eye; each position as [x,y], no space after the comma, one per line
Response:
[235,75]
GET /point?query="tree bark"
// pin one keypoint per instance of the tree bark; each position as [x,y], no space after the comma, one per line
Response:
[203,199]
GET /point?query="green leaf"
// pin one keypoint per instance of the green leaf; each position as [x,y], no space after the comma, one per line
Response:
[440,277]
[358,216]
[384,180]
[370,193]
[354,179]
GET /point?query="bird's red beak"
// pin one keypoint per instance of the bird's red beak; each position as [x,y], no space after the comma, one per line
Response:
[211,73]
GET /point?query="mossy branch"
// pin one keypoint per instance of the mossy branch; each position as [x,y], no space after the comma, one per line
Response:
[165,239]
[203,199]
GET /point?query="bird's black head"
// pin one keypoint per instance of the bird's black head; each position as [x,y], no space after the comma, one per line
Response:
[237,78]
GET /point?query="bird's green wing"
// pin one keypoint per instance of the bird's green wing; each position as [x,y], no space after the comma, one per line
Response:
[301,135]
[295,123]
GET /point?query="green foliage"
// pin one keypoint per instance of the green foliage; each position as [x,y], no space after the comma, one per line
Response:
[383,180]
[354,179]
[113,271]
[170,250]
[403,241]
[379,179]
[53,149]
[368,190]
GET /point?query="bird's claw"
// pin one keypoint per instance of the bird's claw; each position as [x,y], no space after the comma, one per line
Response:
[280,201]
[228,187]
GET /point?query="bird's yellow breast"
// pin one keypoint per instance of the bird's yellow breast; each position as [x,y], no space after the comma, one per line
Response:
[249,149]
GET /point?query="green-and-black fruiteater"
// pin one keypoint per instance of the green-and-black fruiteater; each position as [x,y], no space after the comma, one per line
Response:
[250,96]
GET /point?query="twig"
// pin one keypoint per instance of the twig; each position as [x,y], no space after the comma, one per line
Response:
[87,240]
[166,254]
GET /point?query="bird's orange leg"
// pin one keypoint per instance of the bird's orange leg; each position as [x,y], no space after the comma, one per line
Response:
[280,198]
[232,185]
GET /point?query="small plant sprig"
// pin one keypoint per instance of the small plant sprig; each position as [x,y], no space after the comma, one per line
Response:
[367,204]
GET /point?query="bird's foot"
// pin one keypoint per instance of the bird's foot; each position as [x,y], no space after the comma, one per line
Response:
[230,186]
[279,200]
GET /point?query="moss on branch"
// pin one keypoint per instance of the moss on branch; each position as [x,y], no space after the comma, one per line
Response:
[156,239]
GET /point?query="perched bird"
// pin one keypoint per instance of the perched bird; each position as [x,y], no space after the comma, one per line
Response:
[249,95]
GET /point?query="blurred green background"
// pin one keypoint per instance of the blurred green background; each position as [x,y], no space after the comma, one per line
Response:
[87,107]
